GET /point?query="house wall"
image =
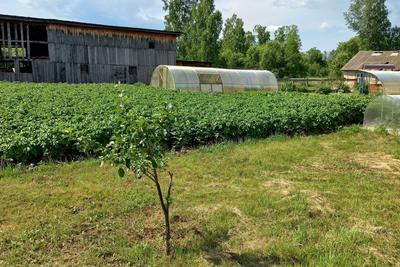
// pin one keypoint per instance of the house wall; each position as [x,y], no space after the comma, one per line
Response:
[87,55]
[351,79]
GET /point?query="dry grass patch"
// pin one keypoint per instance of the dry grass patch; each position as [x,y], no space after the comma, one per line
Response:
[379,162]
[318,203]
[383,257]
[284,187]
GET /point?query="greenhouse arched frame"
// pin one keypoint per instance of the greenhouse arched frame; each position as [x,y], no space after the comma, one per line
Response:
[212,79]
[384,110]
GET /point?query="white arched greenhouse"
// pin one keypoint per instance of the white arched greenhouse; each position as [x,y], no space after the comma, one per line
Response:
[385,109]
[212,79]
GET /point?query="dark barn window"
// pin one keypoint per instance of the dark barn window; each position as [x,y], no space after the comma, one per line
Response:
[25,67]
[38,41]
[7,66]
[152,45]
[84,69]
[39,50]
[132,74]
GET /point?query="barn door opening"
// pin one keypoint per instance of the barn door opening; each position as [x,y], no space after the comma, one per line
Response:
[132,74]
[119,74]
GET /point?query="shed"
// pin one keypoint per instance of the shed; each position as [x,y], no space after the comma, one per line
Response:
[212,79]
[49,50]
[370,60]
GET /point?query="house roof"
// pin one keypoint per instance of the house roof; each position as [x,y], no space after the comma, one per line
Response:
[373,57]
[83,24]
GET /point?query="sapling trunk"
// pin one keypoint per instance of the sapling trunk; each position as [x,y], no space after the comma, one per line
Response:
[165,204]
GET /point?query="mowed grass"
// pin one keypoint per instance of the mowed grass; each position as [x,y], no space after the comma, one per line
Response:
[323,200]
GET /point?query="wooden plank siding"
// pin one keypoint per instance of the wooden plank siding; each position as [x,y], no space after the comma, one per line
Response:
[83,55]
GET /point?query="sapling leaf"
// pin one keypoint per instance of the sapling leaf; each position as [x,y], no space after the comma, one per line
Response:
[121,172]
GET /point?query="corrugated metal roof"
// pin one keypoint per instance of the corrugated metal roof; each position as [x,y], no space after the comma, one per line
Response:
[82,24]
[373,57]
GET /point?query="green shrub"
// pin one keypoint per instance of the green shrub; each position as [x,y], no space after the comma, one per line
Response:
[291,87]
[343,87]
[287,87]
[324,90]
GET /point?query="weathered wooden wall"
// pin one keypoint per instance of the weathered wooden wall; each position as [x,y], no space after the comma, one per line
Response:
[86,55]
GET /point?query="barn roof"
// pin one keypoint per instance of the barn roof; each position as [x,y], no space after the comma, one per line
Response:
[373,57]
[83,24]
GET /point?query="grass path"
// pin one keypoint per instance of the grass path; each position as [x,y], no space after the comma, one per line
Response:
[329,200]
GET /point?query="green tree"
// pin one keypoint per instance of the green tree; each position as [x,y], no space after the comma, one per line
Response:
[138,148]
[369,18]
[178,13]
[250,40]
[344,52]
[272,58]
[316,63]
[202,32]
[252,59]
[281,34]
[395,38]
[201,25]
[354,14]
[263,35]
[234,44]
[295,66]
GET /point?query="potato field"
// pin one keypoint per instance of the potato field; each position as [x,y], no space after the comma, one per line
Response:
[61,122]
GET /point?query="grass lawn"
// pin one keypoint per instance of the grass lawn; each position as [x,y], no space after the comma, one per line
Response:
[329,200]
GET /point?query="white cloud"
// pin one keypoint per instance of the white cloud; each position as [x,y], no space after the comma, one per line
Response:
[42,8]
[295,3]
[149,14]
[324,25]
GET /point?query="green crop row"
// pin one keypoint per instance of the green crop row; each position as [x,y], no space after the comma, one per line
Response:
[59,121]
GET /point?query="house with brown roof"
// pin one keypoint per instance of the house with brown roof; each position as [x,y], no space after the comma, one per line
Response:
[371,60]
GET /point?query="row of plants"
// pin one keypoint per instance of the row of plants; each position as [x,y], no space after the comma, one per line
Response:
[62,122]
[324,88]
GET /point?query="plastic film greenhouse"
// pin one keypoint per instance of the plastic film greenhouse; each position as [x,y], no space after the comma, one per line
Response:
[385,109]
[212,79]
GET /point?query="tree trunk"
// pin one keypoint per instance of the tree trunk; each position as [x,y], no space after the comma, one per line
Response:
[165,203]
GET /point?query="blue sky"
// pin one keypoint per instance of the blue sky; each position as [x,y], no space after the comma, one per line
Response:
[321,22]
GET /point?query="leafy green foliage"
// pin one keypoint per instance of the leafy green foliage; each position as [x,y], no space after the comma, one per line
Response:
[369,18]
[343,87]
[263,35]
[139,144]
[201,25]
[63,122]
[234,43]
[139,141]
[291,87]
[344,52]
[324,90]
[316,63]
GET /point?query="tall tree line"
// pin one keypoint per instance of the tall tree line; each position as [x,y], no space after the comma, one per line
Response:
[207,37]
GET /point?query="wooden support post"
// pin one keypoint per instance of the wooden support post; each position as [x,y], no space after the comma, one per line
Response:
[16,40]
[3,37]
[9,40]
[22,40]
[28,43]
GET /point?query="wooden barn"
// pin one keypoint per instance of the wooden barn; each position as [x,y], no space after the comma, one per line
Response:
[48,50]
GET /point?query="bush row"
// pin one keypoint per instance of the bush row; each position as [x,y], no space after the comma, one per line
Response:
[59,121]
